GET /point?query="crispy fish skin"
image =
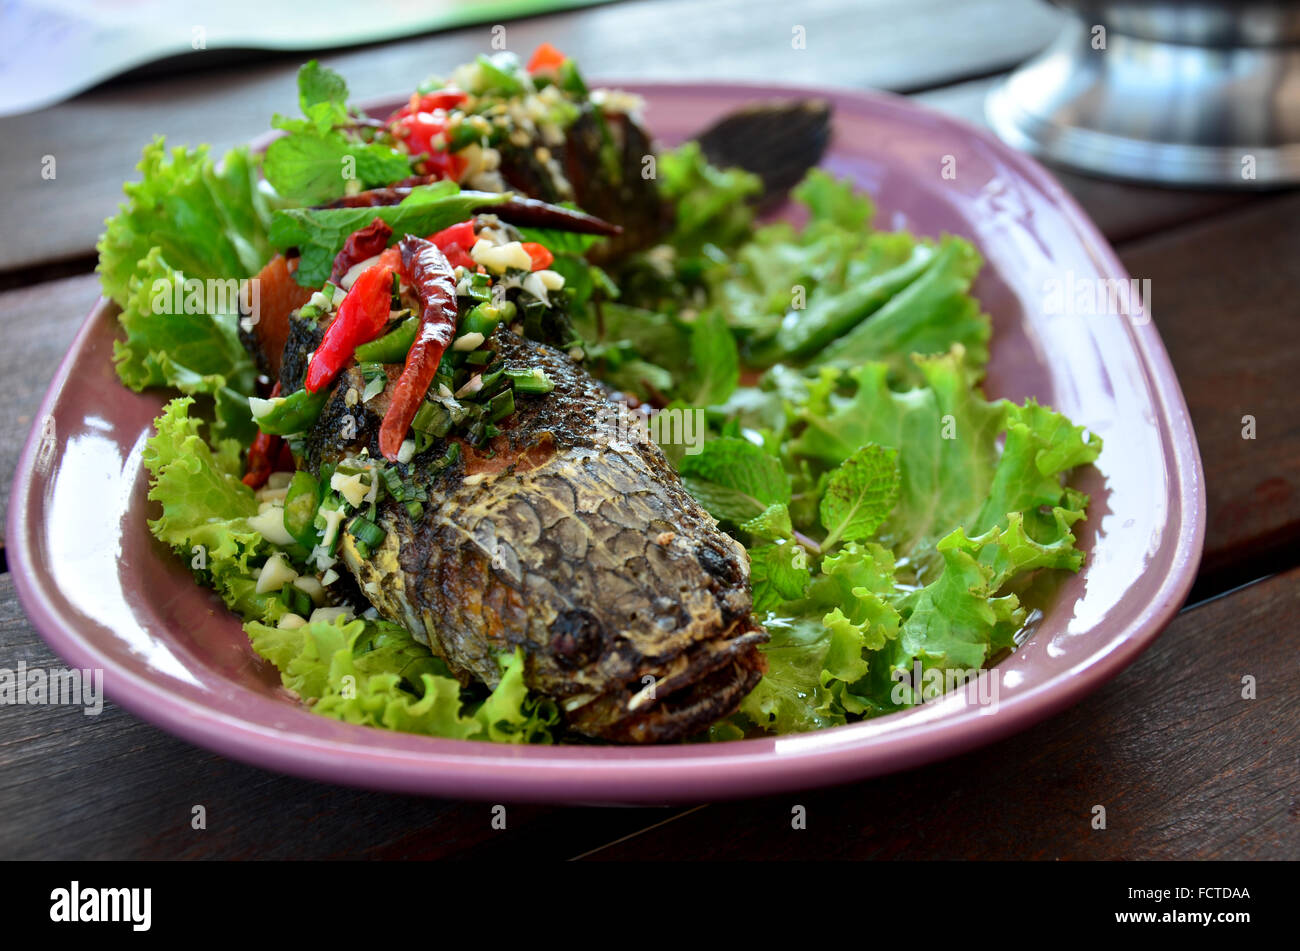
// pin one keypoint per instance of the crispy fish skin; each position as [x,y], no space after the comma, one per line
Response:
[633,608]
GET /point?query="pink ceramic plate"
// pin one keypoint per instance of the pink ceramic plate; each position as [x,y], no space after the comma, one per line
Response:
[105,595]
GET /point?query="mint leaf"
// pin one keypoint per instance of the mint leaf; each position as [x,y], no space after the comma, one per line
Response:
[714,356]
[319,233]
[317,84]
[314,170]
[860,495]
[778,573]
[735,479]
[772,524]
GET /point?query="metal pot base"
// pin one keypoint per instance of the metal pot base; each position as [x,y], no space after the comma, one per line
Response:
[1154,111]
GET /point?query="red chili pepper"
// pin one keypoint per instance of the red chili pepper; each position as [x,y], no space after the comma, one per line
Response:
[361,244]
[546,57]
[443,99]
[458,257]
[435,284]
[361,317]
[462,234]
[542,258]
[420,121]
[264,448]
[262,454]
[284,461]
[455,242]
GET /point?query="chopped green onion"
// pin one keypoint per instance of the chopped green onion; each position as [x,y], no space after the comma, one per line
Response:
[300,506]
[501,406]
[392,346]
[366,532]
[533,381]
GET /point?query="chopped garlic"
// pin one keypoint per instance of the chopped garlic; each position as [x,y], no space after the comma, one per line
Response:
[270,525]
[275,574]
[406,451]
[469,341]
[259,407]
[291,622]
[351,487]
[310,586]
[329,577]
[354,272]
[502,258]
[332,519]
[329,614]
[551,280]
[533,285]
[472,386]
[279,480]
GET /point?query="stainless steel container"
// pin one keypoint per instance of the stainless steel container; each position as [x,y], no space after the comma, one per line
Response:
[1195,93]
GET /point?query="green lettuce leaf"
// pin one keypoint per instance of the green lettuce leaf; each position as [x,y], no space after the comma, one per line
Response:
[188,233]
[929,314]
[205,509]
[981,503]
[735,479]
[353,671]
[711,203]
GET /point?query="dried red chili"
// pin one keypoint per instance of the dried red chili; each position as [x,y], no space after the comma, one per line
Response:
[434,283]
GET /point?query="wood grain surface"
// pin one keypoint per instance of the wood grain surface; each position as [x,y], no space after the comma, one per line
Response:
[1184,766]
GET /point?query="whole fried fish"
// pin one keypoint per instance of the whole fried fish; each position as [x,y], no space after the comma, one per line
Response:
[561,536]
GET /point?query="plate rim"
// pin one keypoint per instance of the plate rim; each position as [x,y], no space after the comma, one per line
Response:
[609,774]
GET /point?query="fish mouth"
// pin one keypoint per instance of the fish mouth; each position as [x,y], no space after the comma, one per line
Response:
[688,693]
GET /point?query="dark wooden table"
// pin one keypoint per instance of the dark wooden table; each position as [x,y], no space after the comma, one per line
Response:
[1184,766]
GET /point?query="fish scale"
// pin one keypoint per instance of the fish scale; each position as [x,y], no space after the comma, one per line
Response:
[577,545]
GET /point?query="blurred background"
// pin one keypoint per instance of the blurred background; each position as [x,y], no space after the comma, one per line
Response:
[1183,93]
[226,92]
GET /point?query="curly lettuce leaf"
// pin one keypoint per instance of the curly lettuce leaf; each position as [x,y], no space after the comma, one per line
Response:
[735,479]
[357,671]
[945,434]
[205,509]
[188,233]
[981,503]
[207,220]
[711,203]
[195,352]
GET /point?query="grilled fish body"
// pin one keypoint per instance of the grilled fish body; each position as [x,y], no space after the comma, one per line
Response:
[632,607]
